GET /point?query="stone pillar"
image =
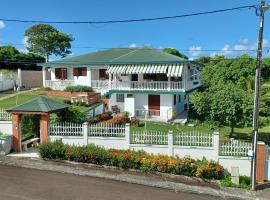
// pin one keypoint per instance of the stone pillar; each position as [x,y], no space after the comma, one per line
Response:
[216,145]
[16,131]
[260,167]
[44,128]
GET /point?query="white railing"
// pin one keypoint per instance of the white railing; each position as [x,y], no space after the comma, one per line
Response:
[151,85]
[137,85]
[159,115]
[193,138]
[234,148]
[106,130]
[149,137]
[5,116]
[59,84]
[66,129]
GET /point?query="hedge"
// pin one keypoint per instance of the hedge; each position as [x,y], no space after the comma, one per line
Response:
[78,88]
[129,159]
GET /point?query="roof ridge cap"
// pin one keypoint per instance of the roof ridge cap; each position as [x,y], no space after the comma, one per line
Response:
[124,54]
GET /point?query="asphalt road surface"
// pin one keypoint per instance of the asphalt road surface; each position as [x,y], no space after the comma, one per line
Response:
[27,184]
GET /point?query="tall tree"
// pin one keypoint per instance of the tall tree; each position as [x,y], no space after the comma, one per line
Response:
[175,52]
[45,40]
[11,58]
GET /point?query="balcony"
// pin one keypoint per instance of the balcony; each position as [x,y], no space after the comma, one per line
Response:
[137,85]
[59,84]
[163,115]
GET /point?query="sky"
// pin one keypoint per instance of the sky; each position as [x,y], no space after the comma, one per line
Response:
[193,36]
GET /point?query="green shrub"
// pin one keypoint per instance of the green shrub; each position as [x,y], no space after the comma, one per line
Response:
[128,159]
[53,150]
[244,182]
[74,114]
[78,88]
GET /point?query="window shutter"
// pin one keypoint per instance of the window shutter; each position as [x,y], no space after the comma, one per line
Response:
[84,71]
[57,73]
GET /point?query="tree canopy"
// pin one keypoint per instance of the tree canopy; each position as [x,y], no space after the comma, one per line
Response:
[45,40]
[175,52]
[226,95]
[11,58]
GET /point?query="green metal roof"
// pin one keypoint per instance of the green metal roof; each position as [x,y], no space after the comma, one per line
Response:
[39,104]
[120,56]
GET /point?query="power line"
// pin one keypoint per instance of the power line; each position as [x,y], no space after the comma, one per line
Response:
[256,7]
[151,48]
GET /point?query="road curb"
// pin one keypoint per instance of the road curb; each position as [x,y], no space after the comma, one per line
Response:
[125,176]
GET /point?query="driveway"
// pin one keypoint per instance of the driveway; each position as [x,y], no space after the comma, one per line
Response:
[27,184]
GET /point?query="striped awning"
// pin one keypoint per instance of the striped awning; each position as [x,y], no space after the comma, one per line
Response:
[138,69]
[175,70]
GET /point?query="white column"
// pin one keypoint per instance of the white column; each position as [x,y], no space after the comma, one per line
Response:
[170,143]
[44,76]
[127,136]
[169,82]
[216,145]
[19,78]
[110,81]
[85,133]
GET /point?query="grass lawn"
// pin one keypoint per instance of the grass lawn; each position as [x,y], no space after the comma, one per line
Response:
[6,93]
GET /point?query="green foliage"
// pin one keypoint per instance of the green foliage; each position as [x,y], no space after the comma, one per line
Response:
[13,56]
[175,52]
[74,114]
[78,88]
[227,93]
[45,40]
[30,126]
[129,159]
[244,182]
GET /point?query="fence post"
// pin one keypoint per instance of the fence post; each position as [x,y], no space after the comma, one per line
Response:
[127,135]
[170,143]
[216,145]
[85,133]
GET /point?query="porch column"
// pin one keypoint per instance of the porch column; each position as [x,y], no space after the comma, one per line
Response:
[44,128]
[110,81]
[169,82]
[16,131]
[44,76]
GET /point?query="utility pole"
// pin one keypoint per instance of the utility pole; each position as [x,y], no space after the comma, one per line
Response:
[262,9]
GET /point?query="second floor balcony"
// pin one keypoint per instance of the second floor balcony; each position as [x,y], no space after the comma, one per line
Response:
[138,85]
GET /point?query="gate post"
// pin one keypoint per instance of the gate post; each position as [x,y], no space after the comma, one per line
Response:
[16,132]
[127,135]
[170,143]
[260,167]
[85,133]
[216,145]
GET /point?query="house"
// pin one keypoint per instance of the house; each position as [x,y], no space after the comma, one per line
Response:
[145,82]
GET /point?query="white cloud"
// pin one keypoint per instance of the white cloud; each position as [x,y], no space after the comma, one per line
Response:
[2,24]
[133,45]
[195,51]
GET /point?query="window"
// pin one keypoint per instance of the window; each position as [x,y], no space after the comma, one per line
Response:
[174,99]
[103,74]
[179,98]
[120,98]
[130,95]
[61,73]
[80,71]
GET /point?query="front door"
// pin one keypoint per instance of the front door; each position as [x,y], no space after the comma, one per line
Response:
[154,105]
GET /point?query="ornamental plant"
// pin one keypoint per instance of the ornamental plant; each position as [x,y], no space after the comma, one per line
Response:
[129,159]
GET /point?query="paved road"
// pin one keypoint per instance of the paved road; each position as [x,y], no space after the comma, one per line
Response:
[27,184]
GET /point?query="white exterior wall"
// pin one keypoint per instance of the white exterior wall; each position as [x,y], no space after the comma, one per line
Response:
[94,74]
[141,101]
[195,152]
[82,80]
[108,142]
[244,164]
[6,127]
[267,169]
[70,140]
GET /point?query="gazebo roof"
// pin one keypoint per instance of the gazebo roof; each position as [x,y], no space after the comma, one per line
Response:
[38,105]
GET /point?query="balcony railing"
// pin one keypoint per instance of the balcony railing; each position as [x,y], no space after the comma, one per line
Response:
[137,85]
[158,115]
[58,84]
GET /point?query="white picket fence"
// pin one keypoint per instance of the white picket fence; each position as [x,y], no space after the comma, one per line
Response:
[4,116]
[66,129]
[106,130]
[234,148]
[193,138]
[149,137]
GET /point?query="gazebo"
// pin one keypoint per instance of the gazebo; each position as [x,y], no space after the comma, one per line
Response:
[38,106]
